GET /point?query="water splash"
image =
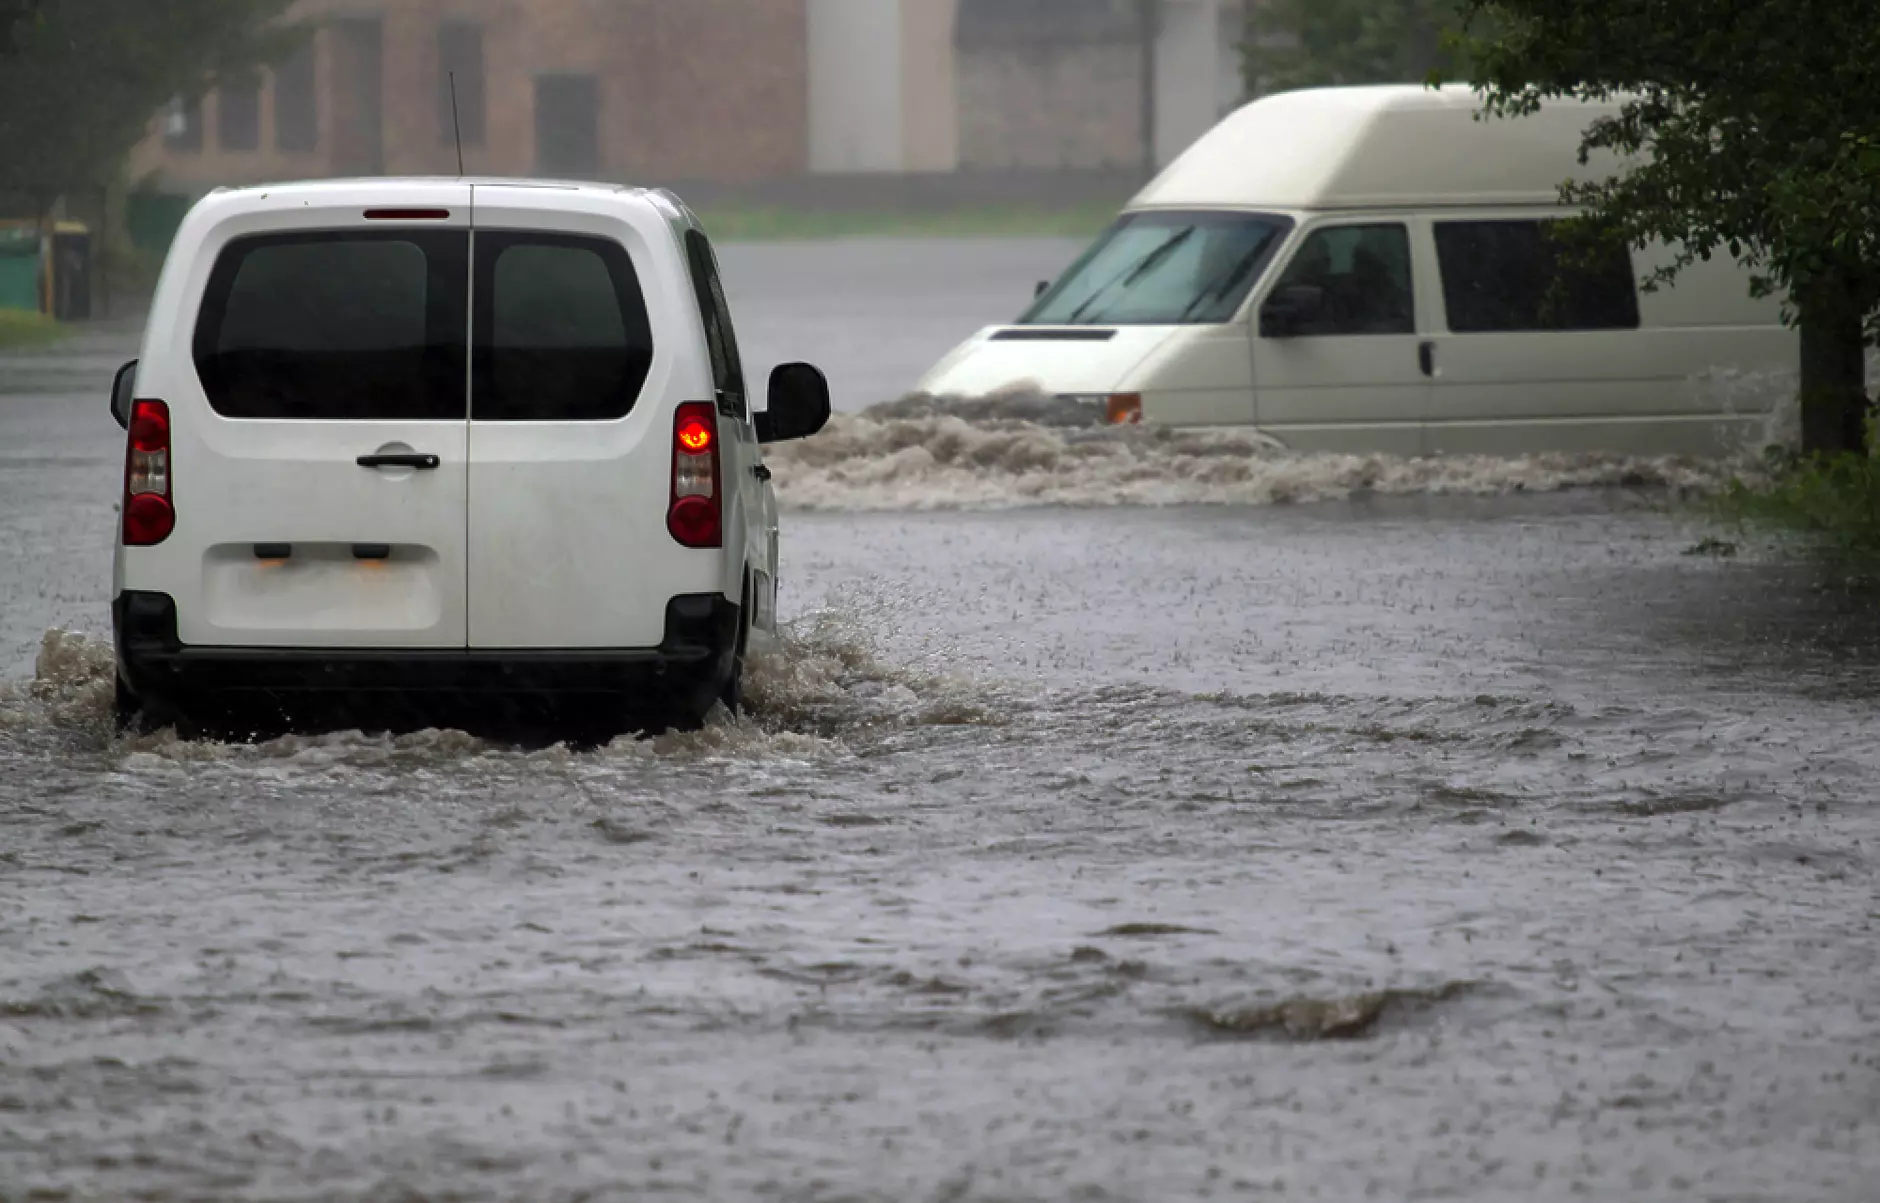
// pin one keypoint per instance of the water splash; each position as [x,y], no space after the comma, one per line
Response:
[823,682]
[72,686]
[927,453]
[1343,1017]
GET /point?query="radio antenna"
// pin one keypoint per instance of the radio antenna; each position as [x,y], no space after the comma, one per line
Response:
[455,123]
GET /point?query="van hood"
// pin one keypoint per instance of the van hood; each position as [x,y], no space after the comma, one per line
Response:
[1058,360]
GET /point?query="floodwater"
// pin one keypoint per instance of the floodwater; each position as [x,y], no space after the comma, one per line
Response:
[1106,828]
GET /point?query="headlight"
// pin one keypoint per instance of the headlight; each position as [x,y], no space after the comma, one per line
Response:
[1119,409]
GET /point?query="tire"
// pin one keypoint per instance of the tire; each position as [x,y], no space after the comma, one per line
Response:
[127,711]
[141,716]
[732,694]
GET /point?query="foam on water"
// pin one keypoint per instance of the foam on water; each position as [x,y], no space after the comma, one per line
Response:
[822,682]
[71,687]
[927,453]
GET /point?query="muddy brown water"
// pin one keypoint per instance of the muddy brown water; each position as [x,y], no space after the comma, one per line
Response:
[1425,845]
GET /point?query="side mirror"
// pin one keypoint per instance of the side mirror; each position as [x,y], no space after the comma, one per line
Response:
[1290,310]
[123,390]
[1043,286]
[798,405]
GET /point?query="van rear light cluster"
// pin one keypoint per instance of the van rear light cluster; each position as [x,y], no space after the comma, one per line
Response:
[696,516]
[149,514]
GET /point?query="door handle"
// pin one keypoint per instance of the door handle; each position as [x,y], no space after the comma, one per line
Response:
[761,472]
[1426,357]
[423,463]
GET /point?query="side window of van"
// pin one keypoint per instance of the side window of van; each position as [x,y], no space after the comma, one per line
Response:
[560,332]
[1502,276]
[336,325]
[720,339]
[1363,276]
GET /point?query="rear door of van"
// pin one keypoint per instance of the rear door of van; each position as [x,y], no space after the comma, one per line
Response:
[318,391]
[570,431]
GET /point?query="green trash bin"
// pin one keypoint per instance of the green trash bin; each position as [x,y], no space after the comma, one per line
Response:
[20,269]
[71,272]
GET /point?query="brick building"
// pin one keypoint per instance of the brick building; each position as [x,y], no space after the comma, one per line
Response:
[1058,83]
[731,92]
[608,89]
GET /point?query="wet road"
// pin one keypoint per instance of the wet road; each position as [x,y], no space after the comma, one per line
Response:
[1435,840]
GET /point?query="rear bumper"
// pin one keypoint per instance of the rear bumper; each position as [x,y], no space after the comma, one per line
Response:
[692,661]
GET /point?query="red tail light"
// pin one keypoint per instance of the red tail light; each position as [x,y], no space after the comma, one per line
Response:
[149,515]
[696,516]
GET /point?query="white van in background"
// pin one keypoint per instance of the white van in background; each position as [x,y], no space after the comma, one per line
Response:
[1368,269]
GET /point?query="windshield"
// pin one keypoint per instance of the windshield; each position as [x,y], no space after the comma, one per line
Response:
[1163,269]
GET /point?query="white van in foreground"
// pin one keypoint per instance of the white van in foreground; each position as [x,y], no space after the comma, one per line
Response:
[472,440]
[1369,269]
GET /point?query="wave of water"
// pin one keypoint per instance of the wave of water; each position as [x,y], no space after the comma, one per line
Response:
[926,453]
[821,684]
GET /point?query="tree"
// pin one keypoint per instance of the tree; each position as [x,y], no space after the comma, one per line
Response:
[14,13]
[80,79]
[1315,43]
[1747,129]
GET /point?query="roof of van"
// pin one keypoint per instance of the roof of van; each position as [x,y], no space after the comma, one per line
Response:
[394,190]
[1386,146]
[393,183]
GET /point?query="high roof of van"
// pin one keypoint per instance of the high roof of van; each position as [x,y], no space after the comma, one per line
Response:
[1389,146]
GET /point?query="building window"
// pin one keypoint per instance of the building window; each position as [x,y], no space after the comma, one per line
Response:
[296,103]
[567,125]
[238,113]
[182,125]
[460,54]
[357,95]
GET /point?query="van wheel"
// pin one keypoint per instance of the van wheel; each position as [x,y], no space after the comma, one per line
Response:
[128,712]
[141,716]
[732,695]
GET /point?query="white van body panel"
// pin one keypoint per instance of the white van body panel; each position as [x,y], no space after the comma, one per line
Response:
[988,363]
[1701,373]
[567,520]
[1201,375]
[527,535]
[243,482]
[1389,146]
[751,511]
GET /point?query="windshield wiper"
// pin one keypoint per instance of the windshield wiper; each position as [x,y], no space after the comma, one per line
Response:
[1231,280]
[1148,264]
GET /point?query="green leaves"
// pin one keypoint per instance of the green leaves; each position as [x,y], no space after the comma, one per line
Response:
[80,80]
[1751,128]
[1757,126]
[1830,501]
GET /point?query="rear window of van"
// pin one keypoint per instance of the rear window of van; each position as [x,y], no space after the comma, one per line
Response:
[337,325]
[561,329]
